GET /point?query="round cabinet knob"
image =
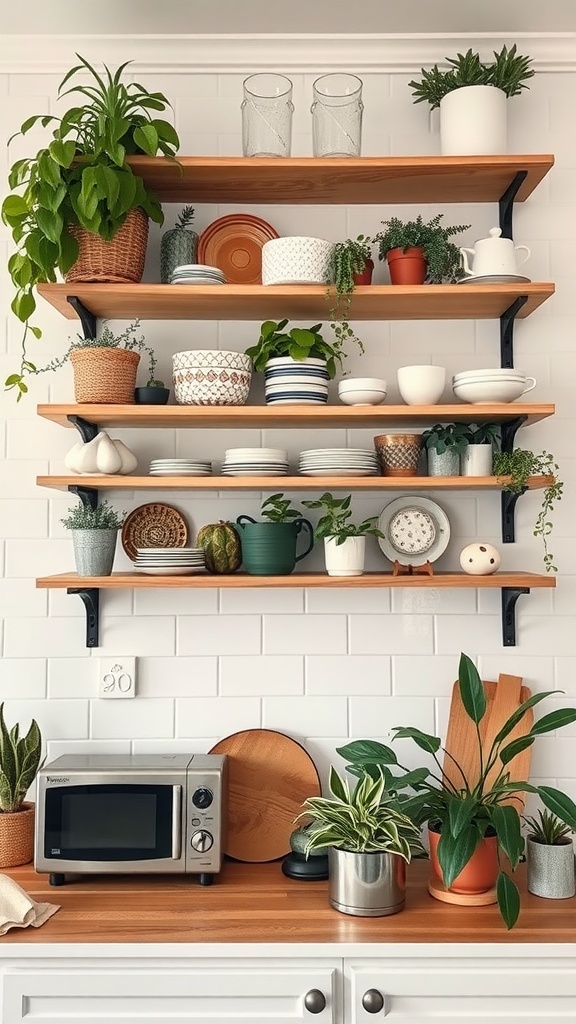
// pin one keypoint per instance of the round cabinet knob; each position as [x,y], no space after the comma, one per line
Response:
[315,1001]
[373,1001]
[201,841]
[202,798]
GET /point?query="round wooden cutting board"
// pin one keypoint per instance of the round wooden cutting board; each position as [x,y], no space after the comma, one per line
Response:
[270,776]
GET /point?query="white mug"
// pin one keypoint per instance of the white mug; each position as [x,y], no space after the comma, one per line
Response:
[421,385]
[494,256]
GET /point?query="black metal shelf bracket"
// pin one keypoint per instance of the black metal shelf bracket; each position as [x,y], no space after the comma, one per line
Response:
[86,430]
[508,431]
[508,501]
[86,317]
[510,596]
[88,495]
[91,599]
[507,332]
[506,204]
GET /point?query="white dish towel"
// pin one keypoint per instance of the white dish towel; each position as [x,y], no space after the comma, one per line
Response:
[18,910]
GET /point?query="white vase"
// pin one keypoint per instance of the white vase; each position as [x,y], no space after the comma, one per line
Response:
[477,460]
[345,559]
[473,121]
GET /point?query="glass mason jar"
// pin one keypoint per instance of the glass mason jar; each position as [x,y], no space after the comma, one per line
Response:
[267,116]
[337,116]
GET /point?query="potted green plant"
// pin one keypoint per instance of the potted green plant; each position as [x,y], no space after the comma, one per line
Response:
[519,465]
[416,251]
[77,207]
[471,95]
[550,857]
[351,264]
[19,764]
[344,541]
[154,391]
[444,446]
[369,842]
[179,245]
[297,364]
[473,824]
[94,535]
[483,439]
[269,547]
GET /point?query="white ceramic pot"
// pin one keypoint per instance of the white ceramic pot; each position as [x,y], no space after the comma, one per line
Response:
[477,460]
[296,259]
[421,385]
[480,559]
[211,377]
[551,870]
[345,559]
[288,382]
[473,121]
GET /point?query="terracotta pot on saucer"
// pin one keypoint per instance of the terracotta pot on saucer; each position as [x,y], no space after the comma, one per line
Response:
[480,873]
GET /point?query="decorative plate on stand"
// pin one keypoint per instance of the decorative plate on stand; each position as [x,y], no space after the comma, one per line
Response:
[154,525]
[416,530]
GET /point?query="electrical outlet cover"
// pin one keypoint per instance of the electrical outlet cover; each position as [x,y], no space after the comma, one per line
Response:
[117,677]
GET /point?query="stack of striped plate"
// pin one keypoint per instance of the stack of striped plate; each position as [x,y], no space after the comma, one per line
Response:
[170,561]
[339,462]
[287,382]
[255,462]
[180,467]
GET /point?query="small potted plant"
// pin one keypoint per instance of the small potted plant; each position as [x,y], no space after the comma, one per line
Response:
[369,842]
[94,536]
[351,264]
[472,98]
[444,445]
[519,465]
[550,856]
[19,764]
[483,439]
[476,822]
[269,547]
[154,392]
[344,542]
[179,245]
[416,251]
[297,364]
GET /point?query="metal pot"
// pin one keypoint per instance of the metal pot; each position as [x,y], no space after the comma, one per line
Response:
[366,884]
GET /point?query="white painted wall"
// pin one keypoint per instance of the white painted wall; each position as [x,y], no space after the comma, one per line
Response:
[328,664]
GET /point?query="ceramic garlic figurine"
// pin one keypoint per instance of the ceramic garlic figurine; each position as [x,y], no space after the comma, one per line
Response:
[102,455]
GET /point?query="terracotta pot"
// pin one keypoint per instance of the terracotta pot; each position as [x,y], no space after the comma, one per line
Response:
[481,871]
[407,267]
[17,837]
[365,276]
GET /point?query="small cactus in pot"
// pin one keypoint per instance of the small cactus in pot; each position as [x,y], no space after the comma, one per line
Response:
[178,246]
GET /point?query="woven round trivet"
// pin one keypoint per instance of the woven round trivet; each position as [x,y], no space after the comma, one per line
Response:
[154,526]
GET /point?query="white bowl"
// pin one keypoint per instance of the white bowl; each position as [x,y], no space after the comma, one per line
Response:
[496,372]
[362,397]
[361,384]
[211,377]
[492,391]
[421,385]
[296,259]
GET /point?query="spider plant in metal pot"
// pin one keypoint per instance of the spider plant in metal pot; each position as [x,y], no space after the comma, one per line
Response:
[369,842]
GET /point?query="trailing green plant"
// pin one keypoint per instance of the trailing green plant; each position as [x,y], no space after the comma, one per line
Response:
[443,258]
[483,433]
[335,521]
[19,763]
[362,821]
[103,517]
[508,71]
[348,258]
[450,438]
[520,464]
[300,343]
[277,509]
[185,218]
[81,178]
[547,829]
[465,811]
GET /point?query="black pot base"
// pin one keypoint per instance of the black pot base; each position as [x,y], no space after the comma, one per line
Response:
[315,869]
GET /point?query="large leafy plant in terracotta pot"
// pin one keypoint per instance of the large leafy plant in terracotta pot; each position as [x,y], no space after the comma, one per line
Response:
[19,764]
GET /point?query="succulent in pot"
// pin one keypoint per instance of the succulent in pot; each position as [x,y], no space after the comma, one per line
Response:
[344,541]
[444,446]
[550,857]
[19,764]
[416,251]
[269,548]
[520,464]
[179,245]
[94,535]
[154,391]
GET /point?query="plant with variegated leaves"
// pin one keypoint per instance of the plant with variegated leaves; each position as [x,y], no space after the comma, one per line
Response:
[19,763]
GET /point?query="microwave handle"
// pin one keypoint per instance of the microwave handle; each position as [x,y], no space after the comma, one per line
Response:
[176,822]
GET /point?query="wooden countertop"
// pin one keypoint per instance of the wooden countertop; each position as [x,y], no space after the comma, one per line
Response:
[256,903]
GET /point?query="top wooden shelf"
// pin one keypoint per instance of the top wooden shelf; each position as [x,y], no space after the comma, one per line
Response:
[420,179]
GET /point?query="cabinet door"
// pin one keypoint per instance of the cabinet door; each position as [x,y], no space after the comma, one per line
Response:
[268,995]
[460,991]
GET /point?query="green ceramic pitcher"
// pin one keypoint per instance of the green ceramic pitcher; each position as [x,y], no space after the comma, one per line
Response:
[269,549]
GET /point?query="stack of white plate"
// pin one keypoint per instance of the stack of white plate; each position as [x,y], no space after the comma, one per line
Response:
[491,385]
[180,467]
[170,561]
[255,462]
[339,462]
[197,273]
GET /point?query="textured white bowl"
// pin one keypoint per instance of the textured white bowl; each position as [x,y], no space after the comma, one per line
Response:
[492,391]
[211,377]
[362,397]
[296,259]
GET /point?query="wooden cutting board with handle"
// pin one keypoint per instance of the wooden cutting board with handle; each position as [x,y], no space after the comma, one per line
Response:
[503,698]
[269,777]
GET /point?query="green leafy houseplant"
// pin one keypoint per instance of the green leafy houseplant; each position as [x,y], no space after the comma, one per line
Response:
[299,343]
[336,519]
[277,509]
[348,259]
[464,813]
[508,71]
[81,178]
[483,433]
[450,438]
[103,517]
[442,256]
[19,763]
[520,464]
[547,829]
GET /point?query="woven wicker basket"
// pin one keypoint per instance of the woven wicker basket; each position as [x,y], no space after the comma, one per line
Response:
[17,837]
[104,376]
[119,261]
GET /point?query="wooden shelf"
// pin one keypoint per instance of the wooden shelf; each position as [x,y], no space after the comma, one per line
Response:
[287,483]
[376,180]
[260,417]
[297,302]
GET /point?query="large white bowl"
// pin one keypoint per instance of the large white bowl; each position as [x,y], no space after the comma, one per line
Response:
[421,385]
[496,373]
[492,391]
[296,259]
[211,377]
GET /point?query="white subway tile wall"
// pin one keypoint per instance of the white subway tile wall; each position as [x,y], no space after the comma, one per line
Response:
[321,665]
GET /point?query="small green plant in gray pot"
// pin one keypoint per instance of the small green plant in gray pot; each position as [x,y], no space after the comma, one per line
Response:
[269,548]
[179,246]
[369,842]
[550,856]
[94,536]
[444,446]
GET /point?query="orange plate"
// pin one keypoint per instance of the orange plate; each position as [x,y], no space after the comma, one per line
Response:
[234,245]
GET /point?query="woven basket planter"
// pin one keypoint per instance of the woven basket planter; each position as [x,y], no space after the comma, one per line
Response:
[104,376]
[119,261]
[17,837]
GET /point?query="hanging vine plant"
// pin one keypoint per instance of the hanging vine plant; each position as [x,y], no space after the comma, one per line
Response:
[349,259]
[521,464]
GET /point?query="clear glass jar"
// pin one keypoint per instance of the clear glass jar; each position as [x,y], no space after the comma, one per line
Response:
[337,116]
[267,116]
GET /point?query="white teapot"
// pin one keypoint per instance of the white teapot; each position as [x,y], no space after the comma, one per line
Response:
[494,256]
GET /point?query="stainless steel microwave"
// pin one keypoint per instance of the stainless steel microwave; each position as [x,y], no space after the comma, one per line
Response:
[131,814]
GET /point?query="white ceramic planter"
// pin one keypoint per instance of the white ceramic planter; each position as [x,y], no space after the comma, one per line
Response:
[296,259]
[551,870]
[477,460]
[345,559]
[288,382]
[473,121]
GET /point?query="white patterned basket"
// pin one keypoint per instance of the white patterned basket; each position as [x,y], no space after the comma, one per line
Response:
[211,377]
[296,259]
